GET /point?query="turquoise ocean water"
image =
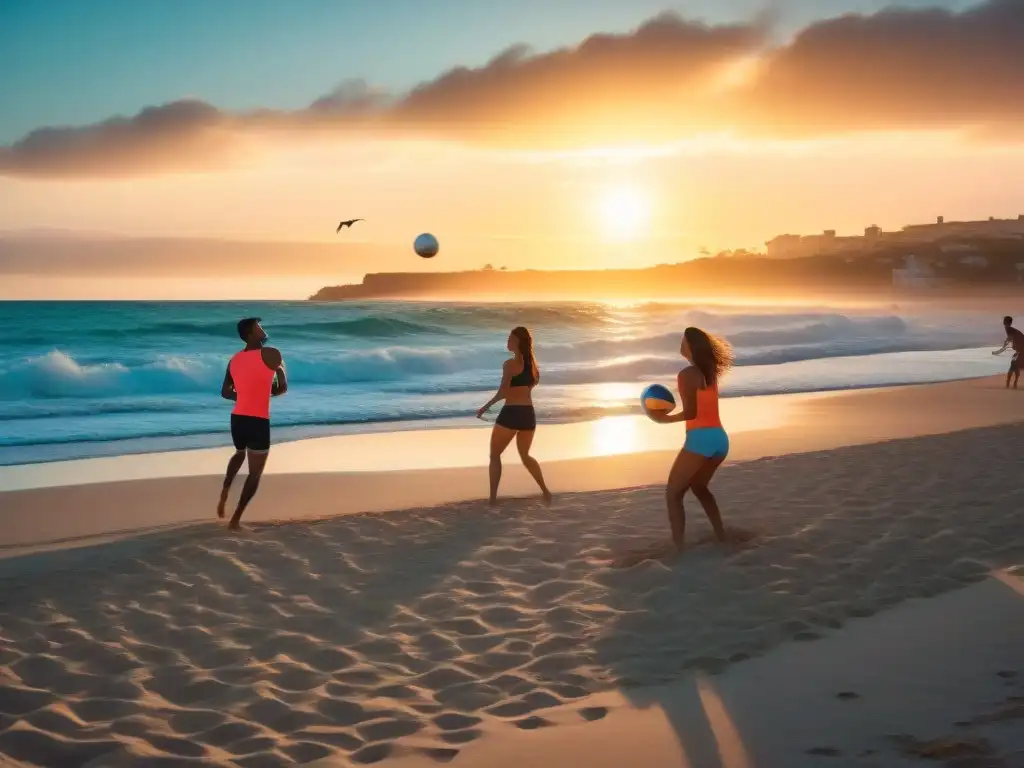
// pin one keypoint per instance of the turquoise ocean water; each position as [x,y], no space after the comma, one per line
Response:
[99,378]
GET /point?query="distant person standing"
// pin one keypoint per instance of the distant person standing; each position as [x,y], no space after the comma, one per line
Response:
[1015,339]
[253,376]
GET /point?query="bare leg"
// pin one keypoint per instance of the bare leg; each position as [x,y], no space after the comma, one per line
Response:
[234,464]
[699,486]
[500,438]
[684,468]
[523,442]
[257,461]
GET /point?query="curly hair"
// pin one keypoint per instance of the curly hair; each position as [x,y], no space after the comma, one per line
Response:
[712,354]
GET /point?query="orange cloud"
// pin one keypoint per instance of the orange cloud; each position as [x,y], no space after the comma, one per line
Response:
[667,80]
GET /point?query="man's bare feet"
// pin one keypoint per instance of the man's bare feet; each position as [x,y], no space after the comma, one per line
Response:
[492,503]
[221,503]
[547,498]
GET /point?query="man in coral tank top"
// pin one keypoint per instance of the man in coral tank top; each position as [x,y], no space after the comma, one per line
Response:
[254,375]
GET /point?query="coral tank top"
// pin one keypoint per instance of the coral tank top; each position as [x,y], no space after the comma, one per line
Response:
[253,383]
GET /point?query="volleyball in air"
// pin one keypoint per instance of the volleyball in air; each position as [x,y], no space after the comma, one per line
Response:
[657,398]
[426,245]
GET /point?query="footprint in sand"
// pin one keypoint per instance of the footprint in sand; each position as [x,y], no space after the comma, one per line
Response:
[455,721]
[388,730]
[372,753]
[591,714]
[739,540]
[461,737]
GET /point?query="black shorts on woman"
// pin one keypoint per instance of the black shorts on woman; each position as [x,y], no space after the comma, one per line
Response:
[521,418]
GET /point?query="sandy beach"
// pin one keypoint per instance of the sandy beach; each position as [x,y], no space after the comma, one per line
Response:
[373,616]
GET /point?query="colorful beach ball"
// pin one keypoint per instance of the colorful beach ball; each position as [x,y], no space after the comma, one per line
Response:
[426,245]
[657,398]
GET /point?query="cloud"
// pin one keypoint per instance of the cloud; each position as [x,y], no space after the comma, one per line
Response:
[667,80]
[183,135]
[897,69]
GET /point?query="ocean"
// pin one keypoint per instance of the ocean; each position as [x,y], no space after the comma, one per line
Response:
[84,379]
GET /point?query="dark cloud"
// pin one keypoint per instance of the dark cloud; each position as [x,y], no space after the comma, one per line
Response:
[893,70]
[897,69]
[181,135]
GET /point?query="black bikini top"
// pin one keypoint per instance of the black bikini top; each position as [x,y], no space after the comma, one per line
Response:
[525,378]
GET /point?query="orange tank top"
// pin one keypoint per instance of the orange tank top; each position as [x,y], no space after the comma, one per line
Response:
[253,382]
[707,409]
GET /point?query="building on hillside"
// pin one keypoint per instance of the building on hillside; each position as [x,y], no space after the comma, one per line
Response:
[958,248]
[915,274]
[796,246]
[990,228]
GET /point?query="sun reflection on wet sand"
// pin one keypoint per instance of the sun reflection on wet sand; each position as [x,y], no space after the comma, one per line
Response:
[419,449]
[613,434]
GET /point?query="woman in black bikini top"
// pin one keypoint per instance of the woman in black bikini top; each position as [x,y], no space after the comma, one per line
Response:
[517,418]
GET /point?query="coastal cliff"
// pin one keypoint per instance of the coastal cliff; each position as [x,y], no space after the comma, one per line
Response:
[991,264]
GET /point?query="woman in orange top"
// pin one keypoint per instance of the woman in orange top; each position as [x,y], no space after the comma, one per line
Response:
[707,443]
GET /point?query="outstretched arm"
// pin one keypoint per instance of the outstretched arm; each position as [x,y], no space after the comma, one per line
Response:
[227,389]
[1003,348]
[506,377]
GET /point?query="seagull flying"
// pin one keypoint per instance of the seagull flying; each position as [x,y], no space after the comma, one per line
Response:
[348,223]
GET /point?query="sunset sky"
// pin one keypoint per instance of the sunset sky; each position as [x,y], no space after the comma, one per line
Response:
[511,130]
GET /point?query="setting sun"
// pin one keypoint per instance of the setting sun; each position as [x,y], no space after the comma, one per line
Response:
[625,212]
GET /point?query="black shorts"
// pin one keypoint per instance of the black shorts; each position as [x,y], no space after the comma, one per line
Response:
[1015,363]
[250,433]
[521,418]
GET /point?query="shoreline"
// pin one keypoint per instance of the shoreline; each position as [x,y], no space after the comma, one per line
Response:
[291,433]
[379,451]
[41,505]
[457,436]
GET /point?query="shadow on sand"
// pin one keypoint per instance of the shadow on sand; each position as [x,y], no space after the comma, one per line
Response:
[370,635]
[848,537]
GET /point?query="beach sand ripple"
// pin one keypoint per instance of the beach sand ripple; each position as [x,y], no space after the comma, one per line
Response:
[374,635]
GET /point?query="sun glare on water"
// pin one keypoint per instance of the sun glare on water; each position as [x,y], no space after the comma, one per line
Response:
[625,212]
